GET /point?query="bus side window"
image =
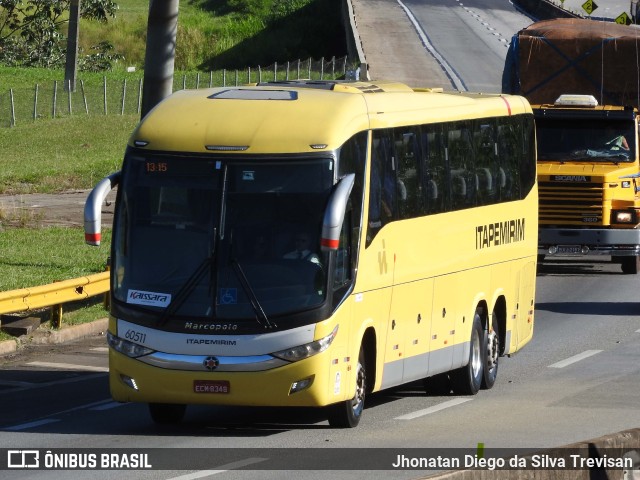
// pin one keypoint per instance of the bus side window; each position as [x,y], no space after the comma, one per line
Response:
[434,170]
[484,145]
[461,166]
[508,156]
[408,153]
[383,186]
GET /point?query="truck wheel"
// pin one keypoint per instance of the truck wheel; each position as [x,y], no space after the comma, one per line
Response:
[167,413]
[492,343]
[630,265]
[468,379]
[347,414]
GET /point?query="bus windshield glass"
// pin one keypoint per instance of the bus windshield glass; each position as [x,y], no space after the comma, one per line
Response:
[585,140]
[221,239]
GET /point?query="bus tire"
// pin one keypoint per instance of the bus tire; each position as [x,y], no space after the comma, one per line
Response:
[468,379]
[492,348]
[167,413]
[630,265]
[347,414]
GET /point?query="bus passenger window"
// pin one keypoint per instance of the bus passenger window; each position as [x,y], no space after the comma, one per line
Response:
[383,184]
[434,168]
[486,161]
[409,186]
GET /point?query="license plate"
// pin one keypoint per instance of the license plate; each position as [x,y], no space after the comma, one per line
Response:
[569,250]
[211,386]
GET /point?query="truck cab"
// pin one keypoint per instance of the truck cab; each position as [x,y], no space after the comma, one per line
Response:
[589,177]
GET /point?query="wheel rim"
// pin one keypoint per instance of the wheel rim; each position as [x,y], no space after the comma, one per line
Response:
[492,350]
[358,399]
[476,359]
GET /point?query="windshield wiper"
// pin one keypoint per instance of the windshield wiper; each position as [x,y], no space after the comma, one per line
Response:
[261,316]
[185,290]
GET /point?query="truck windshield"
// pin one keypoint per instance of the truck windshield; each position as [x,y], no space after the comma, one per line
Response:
[202,237]
[586,140]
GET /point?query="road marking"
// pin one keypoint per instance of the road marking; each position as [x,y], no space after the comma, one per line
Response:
[575,358]
[456,81]
[107,406]
[223,468]
[100,349]
[37,423]
[69,366]
[435,408]
[638,331]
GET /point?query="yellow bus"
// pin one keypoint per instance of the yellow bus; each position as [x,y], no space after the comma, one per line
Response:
[308,243]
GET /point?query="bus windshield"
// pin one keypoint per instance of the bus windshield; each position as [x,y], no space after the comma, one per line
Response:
[206,238]
[585,140]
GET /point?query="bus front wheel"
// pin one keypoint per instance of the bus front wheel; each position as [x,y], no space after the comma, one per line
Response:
[167,413]
[347,414]
[468,379]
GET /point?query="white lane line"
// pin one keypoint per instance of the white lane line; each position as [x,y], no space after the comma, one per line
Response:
[637,331]
[69,366]
[457,82]
[100,349]
[107,406]
[37,423]
[435,408]
[222,469]
[575,358]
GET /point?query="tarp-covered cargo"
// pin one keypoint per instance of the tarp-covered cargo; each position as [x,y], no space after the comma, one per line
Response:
[577,56]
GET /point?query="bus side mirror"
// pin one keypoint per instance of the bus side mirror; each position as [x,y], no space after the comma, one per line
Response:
[334,214]
[93,208]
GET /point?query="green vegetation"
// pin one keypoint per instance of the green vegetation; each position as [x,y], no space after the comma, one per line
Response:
[33,257]
[61,154]
[231,34]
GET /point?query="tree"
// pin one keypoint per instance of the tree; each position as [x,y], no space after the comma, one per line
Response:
[29,29]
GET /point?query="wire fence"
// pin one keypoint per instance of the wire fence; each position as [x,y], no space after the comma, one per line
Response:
[105,96]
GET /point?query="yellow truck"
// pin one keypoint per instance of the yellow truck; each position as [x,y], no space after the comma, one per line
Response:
[582,79]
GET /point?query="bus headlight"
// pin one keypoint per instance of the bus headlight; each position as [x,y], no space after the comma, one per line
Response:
[126,347]
[624,216]
[307,350]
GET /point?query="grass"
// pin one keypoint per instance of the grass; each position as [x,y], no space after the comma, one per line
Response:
[62,154]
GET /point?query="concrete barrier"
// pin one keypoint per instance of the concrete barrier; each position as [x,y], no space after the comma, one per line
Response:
[624,444]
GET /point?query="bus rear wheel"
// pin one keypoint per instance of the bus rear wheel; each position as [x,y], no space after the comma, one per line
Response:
[347,414]
[492,342]
[167,413]
[468,379]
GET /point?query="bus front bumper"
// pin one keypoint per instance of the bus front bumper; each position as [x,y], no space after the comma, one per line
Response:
[131,380]
[582,242]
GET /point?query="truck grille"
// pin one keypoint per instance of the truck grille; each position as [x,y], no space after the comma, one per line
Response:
[570,203]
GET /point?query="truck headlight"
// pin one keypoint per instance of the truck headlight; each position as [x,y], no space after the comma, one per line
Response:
[624,216]
[126,347]
[307,350]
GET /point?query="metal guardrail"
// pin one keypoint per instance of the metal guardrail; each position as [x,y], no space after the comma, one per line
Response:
[54,295]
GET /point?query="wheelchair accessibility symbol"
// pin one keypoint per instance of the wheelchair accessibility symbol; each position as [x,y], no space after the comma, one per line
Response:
[228,296]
